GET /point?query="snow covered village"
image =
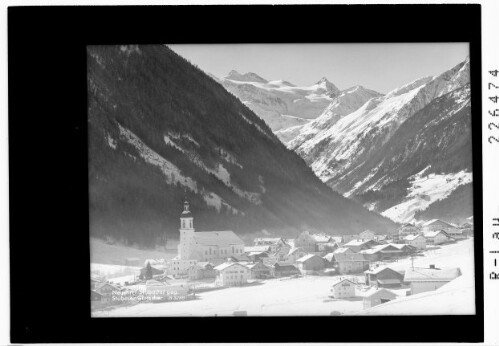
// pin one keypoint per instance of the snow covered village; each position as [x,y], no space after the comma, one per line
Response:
[247,196]
[421,269]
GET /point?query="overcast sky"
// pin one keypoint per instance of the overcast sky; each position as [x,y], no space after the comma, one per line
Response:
[378,66]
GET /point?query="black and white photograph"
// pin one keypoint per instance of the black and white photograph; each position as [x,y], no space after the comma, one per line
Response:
[214,170]
[280,179]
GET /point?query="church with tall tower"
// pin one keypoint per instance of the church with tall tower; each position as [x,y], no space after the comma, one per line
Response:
[214,247]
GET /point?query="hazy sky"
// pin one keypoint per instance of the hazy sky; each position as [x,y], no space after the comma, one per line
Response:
[378,66]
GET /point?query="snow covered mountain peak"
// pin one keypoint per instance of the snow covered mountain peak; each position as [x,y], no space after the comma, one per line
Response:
[346,102]
[325,84]
[247,77]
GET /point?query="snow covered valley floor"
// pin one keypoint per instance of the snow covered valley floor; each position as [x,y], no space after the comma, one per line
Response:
[311,295]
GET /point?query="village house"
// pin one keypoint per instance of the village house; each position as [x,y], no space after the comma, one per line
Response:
[98,300]
[201,270]
[405,248]
[436,225]
[294,254]
[281,252]
[310,264]
[106,289]
[232,274]
[305,241]
[324,242]
[383,277]
[272,243]
[94,281]
[383,252]
[436,237]
[456,233]
[358,245]
[468,232]
[429,279]
[179,268]
[418,241]
[367,235]
[376,296]
[349,263]
[408,229]
[259,270]
[466,225]
[283,269]
[212,247]
[343,289]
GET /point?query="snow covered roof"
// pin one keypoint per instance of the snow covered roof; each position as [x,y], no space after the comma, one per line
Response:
[375,292]
[379,270]
[431,234]
[218,238]
[307,257]
[344,280]
[412,237]
[381,248]
[226,265]
[252,265]
[358,242]
[430,222]
[430,274]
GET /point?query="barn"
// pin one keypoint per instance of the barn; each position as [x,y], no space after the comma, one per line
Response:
[376,296]
[310,264]
[383,277]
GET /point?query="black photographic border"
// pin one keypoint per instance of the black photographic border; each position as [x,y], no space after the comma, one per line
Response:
[49,235]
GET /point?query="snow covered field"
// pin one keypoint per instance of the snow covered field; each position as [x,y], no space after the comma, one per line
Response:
[100,252]
[309,295]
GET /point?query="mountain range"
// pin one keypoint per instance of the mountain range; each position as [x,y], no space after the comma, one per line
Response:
[381,153]
[280,103]
[160,130]
[377,149]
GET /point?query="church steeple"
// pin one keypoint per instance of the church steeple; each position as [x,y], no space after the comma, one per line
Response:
[186,208]
[186,219]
